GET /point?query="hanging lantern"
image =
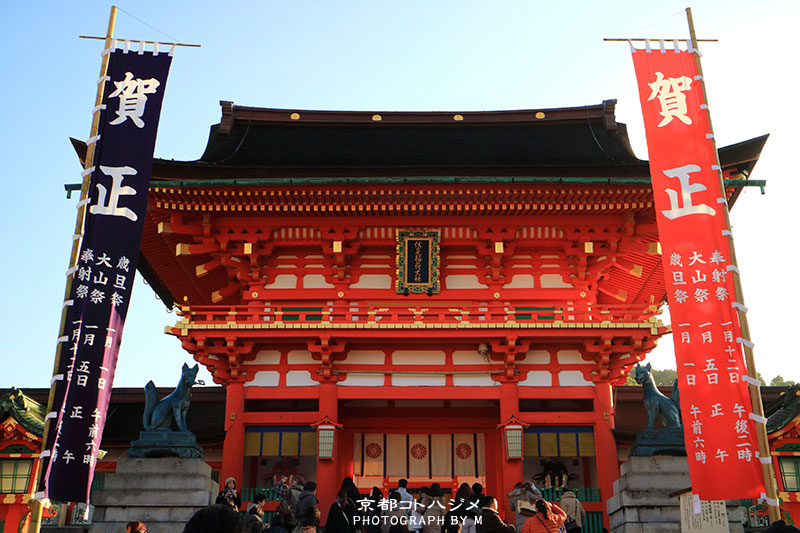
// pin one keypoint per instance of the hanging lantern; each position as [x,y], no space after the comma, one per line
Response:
[325,439]
[513,437]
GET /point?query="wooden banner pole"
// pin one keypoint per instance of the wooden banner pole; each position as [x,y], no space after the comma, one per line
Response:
[767,469]
[37,504]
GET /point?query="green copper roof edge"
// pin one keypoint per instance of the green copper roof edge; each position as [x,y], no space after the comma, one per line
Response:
[425,180]
[24,409]
[275,182]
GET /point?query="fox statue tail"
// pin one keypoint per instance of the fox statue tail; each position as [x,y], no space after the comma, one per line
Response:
[150,402]
[676,399]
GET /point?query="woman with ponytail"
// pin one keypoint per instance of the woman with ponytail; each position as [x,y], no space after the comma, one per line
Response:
[548,518]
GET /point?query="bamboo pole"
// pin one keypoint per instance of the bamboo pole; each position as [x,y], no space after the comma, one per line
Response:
[767,470]
[146,42]
[37,505]
[645,39]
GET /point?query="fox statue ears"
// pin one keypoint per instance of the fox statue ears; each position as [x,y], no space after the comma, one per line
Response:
[186,367]
[648,367]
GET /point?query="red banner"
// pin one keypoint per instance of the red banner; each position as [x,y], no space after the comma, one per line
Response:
[715,403]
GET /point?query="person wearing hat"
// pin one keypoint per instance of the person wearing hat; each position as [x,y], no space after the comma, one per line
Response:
[229,495]
[522,493]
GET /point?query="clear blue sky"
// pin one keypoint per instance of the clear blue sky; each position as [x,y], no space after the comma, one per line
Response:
[373,55]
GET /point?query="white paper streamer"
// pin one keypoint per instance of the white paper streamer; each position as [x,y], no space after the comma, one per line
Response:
[752,381]
[746,342]
[740,307]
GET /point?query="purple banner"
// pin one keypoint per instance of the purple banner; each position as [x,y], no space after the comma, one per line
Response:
[102,278]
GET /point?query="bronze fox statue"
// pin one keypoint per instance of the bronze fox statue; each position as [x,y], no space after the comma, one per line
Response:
[656,403]
[158,415]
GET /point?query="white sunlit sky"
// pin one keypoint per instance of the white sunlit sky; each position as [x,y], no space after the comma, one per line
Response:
[374,55]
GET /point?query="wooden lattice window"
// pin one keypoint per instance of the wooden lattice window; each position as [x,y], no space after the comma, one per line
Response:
[14,475]
[790,473]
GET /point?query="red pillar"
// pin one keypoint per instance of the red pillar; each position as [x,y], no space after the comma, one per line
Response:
[344,453]
[604,443]
[512,471]
[233,446]
[494,461]
[327,475]
[12,517]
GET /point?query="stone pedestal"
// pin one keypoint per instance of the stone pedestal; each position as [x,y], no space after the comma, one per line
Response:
[166,444]
[662,441]
[161,492]
[641,501]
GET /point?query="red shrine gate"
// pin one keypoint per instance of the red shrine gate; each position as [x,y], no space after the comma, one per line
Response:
[536,292]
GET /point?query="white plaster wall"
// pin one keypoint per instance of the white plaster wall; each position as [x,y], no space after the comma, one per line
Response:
[267,357]
[538,379]
[363,380]
[299,378]
[521,281]
[418,357]
[264,379]
[553,281]
[571,357]
[316,281]
[463,282]
[301,357]
[373,281]
[537,357]
[418,380]
[468,357]
[365,357]
[476,380]
[283,281]
[572,378]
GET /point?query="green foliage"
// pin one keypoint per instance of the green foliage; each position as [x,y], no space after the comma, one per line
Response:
[778,381]
[664,377]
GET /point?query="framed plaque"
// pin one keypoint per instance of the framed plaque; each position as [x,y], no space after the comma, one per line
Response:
[418,261]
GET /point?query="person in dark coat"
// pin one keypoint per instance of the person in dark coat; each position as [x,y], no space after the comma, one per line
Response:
[254,519]
[276,524]
[490,519]
[307,512]
[374,510]
[216,519]
[780,526]
[338,519]
[229,495]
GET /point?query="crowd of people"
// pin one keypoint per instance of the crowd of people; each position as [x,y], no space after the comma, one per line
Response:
[470,510]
